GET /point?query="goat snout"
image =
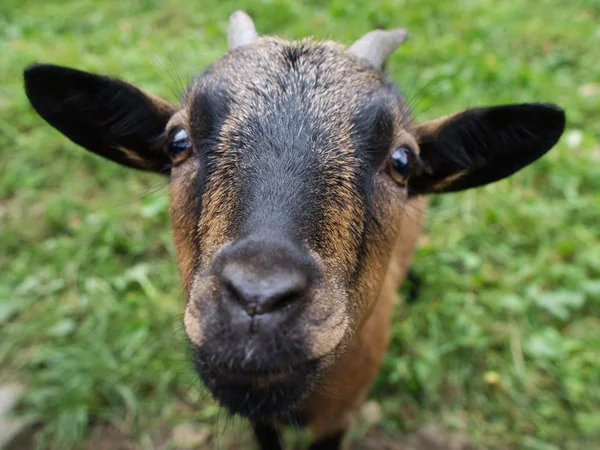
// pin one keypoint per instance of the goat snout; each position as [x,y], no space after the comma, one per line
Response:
[262,283]
[260,326]
[258,295]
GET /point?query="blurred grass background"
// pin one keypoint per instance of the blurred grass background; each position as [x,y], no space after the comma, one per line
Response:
[504,340]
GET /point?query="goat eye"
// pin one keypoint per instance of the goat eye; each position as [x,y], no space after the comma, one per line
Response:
[179,145]
[400,165]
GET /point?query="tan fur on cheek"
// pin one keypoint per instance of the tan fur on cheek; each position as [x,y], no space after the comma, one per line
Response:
[202,290]
[378,251]
[327,320]
[342,225]
[192,324]
[326,336]
[183,220]
[219,202]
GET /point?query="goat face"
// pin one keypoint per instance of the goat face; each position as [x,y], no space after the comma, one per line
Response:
[283,213]
[290,164]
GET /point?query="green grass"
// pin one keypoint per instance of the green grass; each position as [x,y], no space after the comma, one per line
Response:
[504,341]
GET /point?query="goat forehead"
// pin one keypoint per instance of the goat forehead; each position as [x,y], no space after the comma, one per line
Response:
[319,79]
[290,96]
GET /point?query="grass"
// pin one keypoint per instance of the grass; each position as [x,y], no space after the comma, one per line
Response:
[504,339]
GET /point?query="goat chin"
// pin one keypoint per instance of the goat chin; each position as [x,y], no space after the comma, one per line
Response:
[273,394]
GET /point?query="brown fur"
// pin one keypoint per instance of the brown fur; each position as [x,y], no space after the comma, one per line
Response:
[334,406]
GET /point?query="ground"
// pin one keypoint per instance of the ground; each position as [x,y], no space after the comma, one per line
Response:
[502,342]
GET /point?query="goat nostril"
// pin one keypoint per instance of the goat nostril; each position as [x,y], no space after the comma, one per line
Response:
[279,301]
[229,291]
[260,293]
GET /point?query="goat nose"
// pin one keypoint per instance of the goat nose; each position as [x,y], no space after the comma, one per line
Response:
[260,293]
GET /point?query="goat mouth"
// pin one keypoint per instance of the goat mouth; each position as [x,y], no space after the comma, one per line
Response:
[255,378]
[262,378]
[259,395]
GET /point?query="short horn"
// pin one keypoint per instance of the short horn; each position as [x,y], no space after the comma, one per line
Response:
[376,46]
[241,30]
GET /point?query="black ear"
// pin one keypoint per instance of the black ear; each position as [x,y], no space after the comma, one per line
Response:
[482,145]
[104,115]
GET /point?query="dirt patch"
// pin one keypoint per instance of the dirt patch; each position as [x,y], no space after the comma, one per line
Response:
[431,437]
[107,437]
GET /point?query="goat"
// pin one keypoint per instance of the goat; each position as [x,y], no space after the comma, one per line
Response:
[293,166]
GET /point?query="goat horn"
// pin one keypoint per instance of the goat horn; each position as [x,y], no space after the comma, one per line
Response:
[241,30]
[376,46]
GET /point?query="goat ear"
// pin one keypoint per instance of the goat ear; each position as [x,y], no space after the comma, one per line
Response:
[482,145]
[107,116]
